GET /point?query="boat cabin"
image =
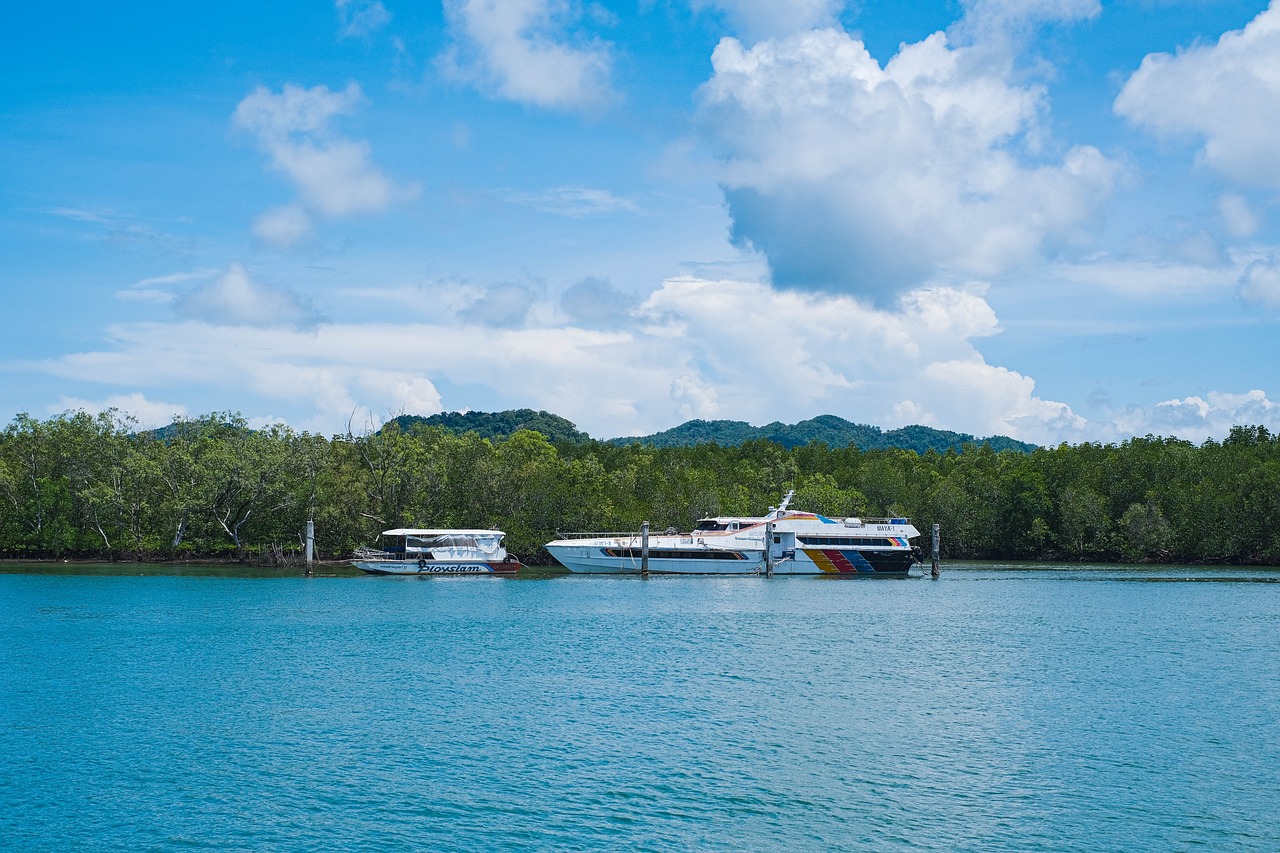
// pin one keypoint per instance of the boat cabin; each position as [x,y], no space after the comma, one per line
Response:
[709,525]
[413,544]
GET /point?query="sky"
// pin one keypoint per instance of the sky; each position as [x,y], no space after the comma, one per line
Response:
[1055,220]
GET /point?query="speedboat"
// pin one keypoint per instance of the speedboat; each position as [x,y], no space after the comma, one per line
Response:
[411,551]
[783,542]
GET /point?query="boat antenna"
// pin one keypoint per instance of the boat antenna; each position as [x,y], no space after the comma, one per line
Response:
[777,511]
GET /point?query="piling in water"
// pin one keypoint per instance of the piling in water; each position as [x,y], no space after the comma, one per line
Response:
[937,561]
[644,549]
[768,549]
[311,544]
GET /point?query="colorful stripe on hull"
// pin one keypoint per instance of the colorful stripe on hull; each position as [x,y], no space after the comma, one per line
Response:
[837,562]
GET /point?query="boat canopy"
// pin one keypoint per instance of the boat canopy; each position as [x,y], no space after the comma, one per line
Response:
[414,531]
[442,541]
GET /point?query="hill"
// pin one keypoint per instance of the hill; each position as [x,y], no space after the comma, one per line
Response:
[832,430]
[496,425]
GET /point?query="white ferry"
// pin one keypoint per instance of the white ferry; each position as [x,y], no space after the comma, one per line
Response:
[406,551]
[784,542]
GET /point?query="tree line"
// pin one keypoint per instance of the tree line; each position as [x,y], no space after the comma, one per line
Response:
[94,486]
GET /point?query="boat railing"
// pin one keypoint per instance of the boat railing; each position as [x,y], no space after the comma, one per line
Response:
[855,522]
[624,534]
[376,554]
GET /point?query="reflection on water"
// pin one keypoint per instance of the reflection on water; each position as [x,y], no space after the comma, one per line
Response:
[967,571]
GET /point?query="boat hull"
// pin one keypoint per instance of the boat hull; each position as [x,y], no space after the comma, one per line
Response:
[437,567]
[833,562]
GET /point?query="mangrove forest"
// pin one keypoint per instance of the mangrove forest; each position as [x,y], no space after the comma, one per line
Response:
[96,487]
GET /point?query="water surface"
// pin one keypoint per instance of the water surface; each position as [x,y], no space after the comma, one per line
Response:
[999,708]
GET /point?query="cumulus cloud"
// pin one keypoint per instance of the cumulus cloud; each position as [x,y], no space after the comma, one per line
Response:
[1197,418]
[594,302]
[234,298]
[335,176]
[852,177]
[359,18]
[690,350]
[1260,283]
[862,362]
[1227,94]
[695,348]
[528,51]
[504,305]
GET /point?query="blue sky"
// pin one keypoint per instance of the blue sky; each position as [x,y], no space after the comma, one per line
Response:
[1057,220]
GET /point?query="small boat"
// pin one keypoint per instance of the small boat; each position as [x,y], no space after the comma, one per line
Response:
[784,542]
[411,551]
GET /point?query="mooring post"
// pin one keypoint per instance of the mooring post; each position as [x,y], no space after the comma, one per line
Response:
[311,544]
[768,549]
[644,549]
[937,561]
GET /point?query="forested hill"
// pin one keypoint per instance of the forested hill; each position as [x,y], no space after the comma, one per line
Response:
[829,429]
[499,425]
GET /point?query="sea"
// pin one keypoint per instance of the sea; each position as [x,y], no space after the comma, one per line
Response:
[1000,707]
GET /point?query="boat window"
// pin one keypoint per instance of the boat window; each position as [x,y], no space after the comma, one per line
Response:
[444,541]
[673,554]
[845,541]
[709,524]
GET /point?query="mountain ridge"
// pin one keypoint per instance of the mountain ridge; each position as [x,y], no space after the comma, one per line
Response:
[832,430]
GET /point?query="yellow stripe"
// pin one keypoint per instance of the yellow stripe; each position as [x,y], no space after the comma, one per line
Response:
[821,561]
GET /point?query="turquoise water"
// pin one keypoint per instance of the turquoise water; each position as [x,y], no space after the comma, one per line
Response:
[994,709]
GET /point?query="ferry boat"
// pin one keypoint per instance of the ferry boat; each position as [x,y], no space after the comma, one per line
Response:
[784,542]
[411,551]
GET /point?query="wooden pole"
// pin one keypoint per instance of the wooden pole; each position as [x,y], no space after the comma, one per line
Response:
[768,549]
[937,560]
[644,550]
[311,544]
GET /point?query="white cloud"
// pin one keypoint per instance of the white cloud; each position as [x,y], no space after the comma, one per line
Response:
[595,302]
[1260,282]
[1238,216]
[527,51]
[159,289]
[236,299]
[759,19]
[274,118]
[857,178]
[1198,418]
[1226,93]
[149,413]
[335,176]
[1160,279]
[504,305]
[283,226]
[359,18]
[700,349]
[574,202]
[695,348]
[992,19]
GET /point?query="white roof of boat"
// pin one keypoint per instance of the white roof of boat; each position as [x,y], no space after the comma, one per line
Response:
[414,531]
